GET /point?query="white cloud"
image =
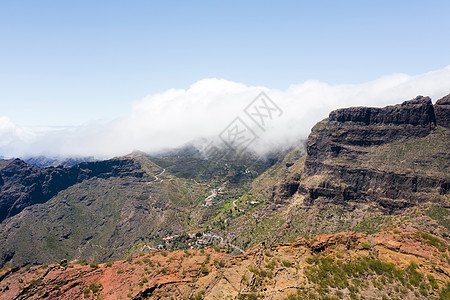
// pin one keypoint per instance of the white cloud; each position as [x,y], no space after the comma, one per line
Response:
[177,116]
[12,136]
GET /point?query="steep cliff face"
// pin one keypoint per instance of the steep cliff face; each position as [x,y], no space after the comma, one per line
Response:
[416,112]
[387,155]
[367,126]
[442,111]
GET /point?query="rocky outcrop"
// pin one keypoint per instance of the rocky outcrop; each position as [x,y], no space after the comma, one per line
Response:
[348,154]
[23,185]
[442,111]
[416,112]
[285,190]
[368,126]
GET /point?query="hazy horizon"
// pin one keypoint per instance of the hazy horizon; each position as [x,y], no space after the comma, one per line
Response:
[204,110]
[103,79]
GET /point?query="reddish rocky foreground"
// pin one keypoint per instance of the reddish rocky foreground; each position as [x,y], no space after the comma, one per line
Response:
[273,272]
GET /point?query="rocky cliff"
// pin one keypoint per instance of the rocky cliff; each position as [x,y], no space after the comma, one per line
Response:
[387,155]
[442,111]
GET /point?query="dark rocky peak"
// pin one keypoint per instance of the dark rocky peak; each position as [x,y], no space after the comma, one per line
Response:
[23,185]
[5,162]
[116,167]
[13,163]
[49,161]
[417,112]
[442,111]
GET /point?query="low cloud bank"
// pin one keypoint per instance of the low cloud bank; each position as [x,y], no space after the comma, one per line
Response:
[206,109]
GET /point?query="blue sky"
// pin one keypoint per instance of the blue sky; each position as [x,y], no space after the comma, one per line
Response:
[70,62]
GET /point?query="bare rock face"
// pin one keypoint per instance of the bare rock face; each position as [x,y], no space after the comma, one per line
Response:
[442,111]
[348,155]
[417,112]
[285,190]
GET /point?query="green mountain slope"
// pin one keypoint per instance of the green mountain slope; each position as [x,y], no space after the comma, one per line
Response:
[106,213]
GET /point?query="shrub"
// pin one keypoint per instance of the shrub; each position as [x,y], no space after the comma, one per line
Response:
[219,263]
[423,291]
[95,287]
[432,241]
[199,295]
[439,214]
[143,281]
[244,279]
[415,277]
[204,270]
[250,296]
[146,260]
[164,253]
[329,273]
[208,257]
[312,260]
[365,246]
[86,292]
[445,292]
[93,265]
[339,294]
[432,281]
[272,264]
[286,263]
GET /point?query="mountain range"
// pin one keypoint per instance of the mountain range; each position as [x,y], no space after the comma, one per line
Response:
[361,208]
